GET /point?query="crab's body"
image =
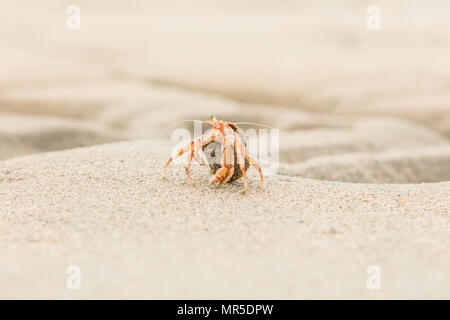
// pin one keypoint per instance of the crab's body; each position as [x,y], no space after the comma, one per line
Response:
[232,150]
[213,152]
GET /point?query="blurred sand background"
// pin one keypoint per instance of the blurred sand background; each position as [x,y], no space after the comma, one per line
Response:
[364,176]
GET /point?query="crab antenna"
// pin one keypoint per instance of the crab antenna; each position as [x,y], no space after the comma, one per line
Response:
[180,122]
[254,123]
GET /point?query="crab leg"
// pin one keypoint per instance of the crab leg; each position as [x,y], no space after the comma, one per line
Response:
[251,160]
[241,162]
[179,153]
[230,171]
[228,175]
[197,156]
[201,140]
[188,163]
[226,171]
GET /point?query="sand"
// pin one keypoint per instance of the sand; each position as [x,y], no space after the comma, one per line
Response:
[21,135]
[405,166]
[106,209]
[364,150]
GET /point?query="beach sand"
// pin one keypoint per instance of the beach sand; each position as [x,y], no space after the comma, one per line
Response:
[133,235]
[364,150]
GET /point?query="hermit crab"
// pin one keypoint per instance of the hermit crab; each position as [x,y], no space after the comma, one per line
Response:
[225,148]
